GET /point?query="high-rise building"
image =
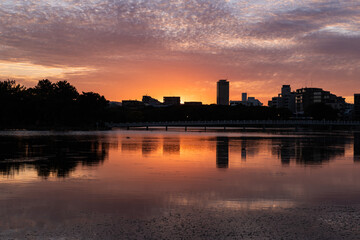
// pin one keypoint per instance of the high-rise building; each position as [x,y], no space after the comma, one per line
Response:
[222,92]
[244,97]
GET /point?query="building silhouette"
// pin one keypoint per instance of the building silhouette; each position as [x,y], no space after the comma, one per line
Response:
[247,101]
[244,97]
[307,96]
[193,103]
[222,92]
[298,101]
[149,101]
[172,100]
[132,103]
[285,99]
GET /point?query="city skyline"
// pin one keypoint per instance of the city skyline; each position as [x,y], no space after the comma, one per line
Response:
[181,48]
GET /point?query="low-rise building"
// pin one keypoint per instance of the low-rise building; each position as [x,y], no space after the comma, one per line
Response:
[285,99]
[149,101]
[193,103]
[172,101]
[307,96]
[246,101]
[132,103]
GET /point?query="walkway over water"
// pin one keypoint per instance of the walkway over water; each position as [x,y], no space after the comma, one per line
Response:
[243,124]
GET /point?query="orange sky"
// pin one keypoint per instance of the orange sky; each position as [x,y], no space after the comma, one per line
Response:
[126,49]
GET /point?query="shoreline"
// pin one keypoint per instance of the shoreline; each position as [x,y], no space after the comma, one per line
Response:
[191,222]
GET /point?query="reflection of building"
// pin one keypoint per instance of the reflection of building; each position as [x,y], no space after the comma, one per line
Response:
[356,147]
[357,107]
[149,145]
[172,100]
[243,150]
[130,146]
[222,92]
[285,99]
[307,96]
[171,145]
[247,101]
[288,150]
[222,152]
[310,151]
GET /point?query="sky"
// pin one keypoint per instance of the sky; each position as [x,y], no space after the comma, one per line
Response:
[126,49]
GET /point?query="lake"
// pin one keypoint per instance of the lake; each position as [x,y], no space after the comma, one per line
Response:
[179,185]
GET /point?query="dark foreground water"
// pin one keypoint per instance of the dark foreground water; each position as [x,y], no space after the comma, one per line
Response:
[177,185]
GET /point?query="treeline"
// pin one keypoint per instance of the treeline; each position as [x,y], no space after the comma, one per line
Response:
[49,105]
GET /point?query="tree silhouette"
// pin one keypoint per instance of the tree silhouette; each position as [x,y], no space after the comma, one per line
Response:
[48,105]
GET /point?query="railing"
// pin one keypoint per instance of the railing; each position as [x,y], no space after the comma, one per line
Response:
[236,123]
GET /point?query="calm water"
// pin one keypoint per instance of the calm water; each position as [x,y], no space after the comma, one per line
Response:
[48,178]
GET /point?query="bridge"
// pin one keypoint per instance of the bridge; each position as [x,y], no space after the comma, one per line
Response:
[242,124]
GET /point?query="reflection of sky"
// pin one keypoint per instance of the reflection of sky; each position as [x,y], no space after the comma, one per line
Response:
[164,46]
[159,171]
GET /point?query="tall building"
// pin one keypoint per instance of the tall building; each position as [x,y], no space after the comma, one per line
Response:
[222,92]
[285,99]
[357,107]
[244,97]
[172,100]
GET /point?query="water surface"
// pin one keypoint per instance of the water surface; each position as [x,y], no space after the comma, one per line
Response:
[50,178]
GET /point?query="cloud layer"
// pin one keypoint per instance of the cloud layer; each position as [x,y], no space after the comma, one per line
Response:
[182,47]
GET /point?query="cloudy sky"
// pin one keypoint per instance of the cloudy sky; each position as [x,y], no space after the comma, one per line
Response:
[125,49]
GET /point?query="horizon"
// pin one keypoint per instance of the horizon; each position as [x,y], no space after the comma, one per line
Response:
[160,99]
[124,50]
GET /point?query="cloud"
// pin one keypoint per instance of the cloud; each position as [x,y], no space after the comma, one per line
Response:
[267,42]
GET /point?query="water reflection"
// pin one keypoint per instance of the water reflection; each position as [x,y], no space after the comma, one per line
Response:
[59,155]
[51,155]
[149,145]
[171,145]
[151,172]
[356,147]
[309,151]
[222,152]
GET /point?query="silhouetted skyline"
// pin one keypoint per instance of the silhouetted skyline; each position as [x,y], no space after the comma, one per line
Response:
[127,48]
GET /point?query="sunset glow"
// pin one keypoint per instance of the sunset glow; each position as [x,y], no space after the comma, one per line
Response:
[126,49]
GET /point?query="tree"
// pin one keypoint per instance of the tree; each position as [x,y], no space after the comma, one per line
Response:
[44,89]
[64,91]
